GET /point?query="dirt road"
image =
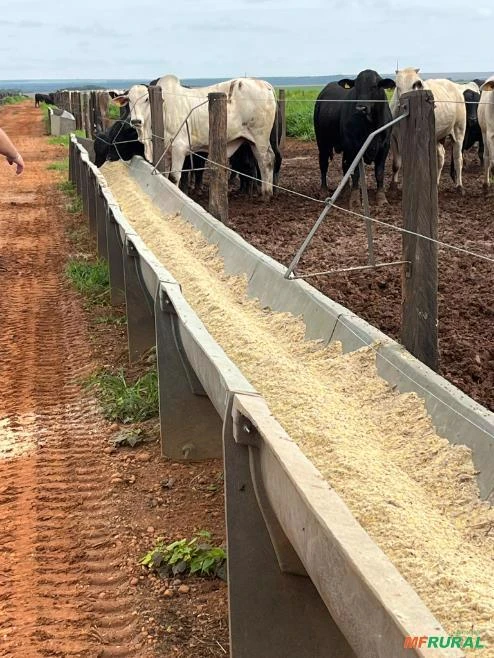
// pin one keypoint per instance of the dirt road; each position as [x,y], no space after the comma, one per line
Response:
[69,536]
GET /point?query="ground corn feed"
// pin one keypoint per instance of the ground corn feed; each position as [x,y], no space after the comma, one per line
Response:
[413,492]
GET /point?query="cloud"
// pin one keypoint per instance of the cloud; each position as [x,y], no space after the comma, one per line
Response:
[22,24]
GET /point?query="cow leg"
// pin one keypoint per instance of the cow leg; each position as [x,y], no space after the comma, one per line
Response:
[178,157]
[379,165]
[458,159]
[396,158]
[265,162]
[488,155]
[481,151]
[354,203]
[440,160]
[323,166]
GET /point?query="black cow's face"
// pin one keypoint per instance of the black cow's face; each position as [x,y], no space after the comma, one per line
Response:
[369,87]
[471,99]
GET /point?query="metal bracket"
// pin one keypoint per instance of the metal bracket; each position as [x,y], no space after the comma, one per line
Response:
[246,434]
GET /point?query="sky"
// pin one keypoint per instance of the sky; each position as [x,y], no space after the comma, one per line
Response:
[228,38]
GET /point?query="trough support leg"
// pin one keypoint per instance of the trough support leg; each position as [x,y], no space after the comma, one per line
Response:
[190,426]
[272,613]
[115,248]
[101,240]
[92,186]
[140,311]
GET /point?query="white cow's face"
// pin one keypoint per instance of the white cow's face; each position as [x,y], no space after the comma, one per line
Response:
[408,80]
[137,99]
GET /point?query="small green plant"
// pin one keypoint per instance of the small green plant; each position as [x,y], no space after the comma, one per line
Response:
[127,402]
[187,557]
[90,279]
[111,319]
[60,165]
[75,205]
[67,187]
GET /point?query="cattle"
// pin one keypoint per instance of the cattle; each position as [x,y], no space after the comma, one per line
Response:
[251,110]
[118,143]
[244,162]
[473,134]
[345,114]
[43,98]
[449,114]
[486,121]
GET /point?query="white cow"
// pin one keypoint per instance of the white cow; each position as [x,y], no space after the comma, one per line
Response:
[251,110]
[449,113]
[486,121]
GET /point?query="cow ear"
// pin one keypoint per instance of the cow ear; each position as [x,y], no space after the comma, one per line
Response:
[121,100]
[417,70]
[346,83]
[487,86]
[386,83]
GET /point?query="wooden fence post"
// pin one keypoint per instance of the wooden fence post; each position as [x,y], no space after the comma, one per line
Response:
[76,106]
[157,127]
[93,104]
[420,209]
[86,114]
[218,179]
[282,105]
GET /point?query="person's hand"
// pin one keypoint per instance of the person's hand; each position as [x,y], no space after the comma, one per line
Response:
[18,161]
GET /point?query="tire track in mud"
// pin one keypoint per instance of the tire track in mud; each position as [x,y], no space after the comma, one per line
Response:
[62,589]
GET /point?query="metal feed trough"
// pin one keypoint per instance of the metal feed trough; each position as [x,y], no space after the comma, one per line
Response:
[305,580]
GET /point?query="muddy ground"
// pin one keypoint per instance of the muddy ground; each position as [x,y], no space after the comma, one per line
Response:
[76,514]
[466,283]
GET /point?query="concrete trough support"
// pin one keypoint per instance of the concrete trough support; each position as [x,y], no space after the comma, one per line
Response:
[62,123]
[139,303]
[278,613]
[115,259]
[101,221]
[190,425]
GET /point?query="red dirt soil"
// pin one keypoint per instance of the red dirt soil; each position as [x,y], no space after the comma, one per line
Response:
[466,283]
[76,514]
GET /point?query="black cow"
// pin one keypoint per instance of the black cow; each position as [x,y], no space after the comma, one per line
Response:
[473,133]
[118,143]
[342,127]
[43,98]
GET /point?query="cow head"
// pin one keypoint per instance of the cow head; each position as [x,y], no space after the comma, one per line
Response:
[488,84]
[471,100]
[368,88]
[408,80]
[137,99]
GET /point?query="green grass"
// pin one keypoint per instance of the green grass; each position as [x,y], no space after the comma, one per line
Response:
[60,165]
[300,103]
[68,188]
[91,279]
[75,205]
[113,111]
[127,402]
[63,140]
[12,100]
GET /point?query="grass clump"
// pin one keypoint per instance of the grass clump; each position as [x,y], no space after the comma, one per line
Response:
[12,100]
[91,279]
[60,165]
[187,557]
[127,402]
[63,140]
